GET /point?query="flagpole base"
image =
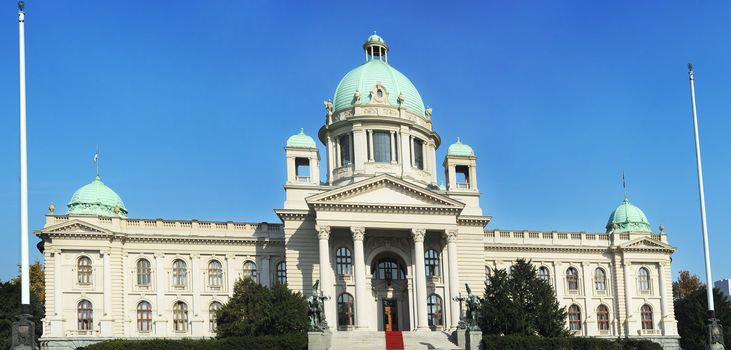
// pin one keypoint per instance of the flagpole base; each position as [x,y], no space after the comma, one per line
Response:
[24,330]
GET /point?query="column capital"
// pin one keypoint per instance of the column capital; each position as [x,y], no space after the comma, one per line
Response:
[358,233]
[418,234]
[451,236]
[323,232]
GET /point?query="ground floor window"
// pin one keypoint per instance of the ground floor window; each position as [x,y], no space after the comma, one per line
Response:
[574,318]
[602,318]
[434,311]
[345,310]
[144,316]
[180,317]
[646,312]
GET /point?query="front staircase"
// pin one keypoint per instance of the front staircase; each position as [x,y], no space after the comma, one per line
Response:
[371,340]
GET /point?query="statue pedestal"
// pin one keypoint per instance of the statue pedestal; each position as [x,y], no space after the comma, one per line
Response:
[473,339]
[24,330]
[461,341]
[319,340]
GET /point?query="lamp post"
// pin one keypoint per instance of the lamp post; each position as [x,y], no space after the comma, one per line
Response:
[715,334]
[24,327]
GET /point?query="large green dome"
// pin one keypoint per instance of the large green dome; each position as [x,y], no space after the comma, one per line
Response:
[96,198]
[628,218]
[364,77]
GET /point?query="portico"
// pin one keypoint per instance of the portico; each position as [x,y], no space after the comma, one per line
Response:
[387,253]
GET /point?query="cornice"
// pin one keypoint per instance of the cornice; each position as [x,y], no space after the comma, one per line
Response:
[480,221]
[387,208]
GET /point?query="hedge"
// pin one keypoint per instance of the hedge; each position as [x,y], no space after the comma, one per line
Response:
[496,342]
[284,342]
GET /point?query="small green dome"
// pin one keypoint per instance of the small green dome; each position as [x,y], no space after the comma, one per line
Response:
[628,218]
[460,149]
[301,140]
[96,199]
[375,38]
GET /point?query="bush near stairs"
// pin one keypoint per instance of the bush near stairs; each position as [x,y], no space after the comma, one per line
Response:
[496,342]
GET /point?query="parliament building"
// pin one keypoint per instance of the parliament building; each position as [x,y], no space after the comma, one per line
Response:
[391,247]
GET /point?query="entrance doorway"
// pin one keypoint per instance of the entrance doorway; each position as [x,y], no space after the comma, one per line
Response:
[390,314]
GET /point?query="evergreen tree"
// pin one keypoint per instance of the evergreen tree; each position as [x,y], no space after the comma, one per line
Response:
[521,303]
[691,314]
[255,310]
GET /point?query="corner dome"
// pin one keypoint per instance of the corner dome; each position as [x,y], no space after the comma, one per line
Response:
[96,198]
[374,71]
[628,218]
[301,140]
[460,149]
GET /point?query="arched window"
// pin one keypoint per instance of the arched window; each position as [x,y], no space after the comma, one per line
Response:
[431,259]
[602,317]
[180,273]
[345,310]
[85,317]
[600,279]
[389,269]
[144,316]
[643,277]
[250,270]
[343,262]
[646,313]
[213,311]
[574,318]
[544,274]
[83,268]
[572,278]
[282,273]
[434,311]
[144,273]
[215,274]
[180,317]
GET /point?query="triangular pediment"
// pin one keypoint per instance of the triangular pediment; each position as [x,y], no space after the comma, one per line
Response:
[385,190]
[646,243]
[74,226]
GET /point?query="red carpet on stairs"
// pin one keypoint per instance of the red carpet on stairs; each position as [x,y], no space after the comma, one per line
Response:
[394,341]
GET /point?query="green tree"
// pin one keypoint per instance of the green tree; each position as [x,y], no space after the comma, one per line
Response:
[521,303]
[255,310]
[691,314]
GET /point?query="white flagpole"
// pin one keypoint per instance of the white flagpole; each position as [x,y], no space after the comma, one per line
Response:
[24,273]
[712,326]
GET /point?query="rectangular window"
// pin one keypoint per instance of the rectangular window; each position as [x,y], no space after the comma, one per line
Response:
[345,150]
[462,174]
[382,146]
[419,154]
[302,169]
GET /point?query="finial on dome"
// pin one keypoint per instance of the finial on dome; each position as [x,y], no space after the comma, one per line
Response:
[458,141]
[375,48]
[51,208]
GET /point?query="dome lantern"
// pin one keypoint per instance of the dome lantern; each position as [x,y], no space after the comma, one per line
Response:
[375,48]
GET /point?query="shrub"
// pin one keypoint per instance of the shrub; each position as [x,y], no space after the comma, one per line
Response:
[284,342]
[496,342]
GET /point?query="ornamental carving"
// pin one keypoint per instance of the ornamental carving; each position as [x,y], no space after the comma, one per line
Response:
[418,234]
[358,233]
[379,94]
[452,236]
[323,232]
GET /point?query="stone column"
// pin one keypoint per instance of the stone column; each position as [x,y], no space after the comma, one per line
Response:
[370,145]
[323,234]
[627,295]
[420,282]
[663,296]
[393,147]
[338,161]
[265,275]
[161,284]
[230,274]
[361,317]
[106,319]
[453,277]
[330,166]
[57,284]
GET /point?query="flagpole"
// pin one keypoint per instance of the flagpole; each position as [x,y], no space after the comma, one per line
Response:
[23,330]
[713,328]
[24,274]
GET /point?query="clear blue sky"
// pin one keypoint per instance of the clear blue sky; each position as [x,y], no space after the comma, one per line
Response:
[191,103]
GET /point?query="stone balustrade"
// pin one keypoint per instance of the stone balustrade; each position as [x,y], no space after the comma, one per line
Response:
[561,238]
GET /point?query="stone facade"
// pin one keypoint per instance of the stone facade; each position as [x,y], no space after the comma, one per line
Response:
[392,249]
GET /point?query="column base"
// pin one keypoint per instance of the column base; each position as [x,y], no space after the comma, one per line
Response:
[24,330]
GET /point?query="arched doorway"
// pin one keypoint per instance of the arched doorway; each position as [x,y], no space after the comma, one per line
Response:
[390,284]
